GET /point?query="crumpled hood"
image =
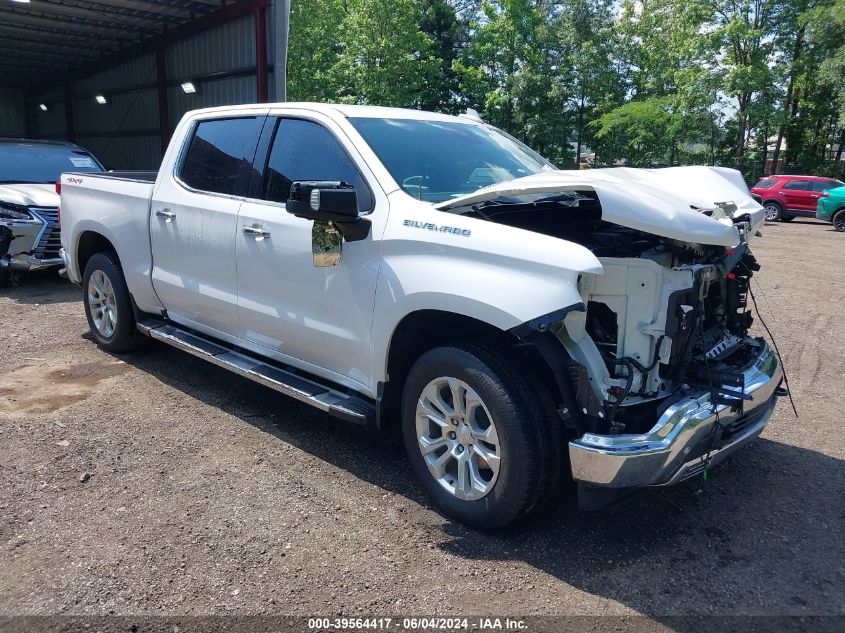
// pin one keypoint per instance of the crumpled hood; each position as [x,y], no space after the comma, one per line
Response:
[657,201]
[30,195]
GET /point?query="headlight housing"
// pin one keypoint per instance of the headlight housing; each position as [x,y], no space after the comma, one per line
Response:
[9,211]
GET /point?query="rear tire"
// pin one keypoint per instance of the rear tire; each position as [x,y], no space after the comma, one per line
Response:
[510,470]
[838,220]
[773,210]
[108,304]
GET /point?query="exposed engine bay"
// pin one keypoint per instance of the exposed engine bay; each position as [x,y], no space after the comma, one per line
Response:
[665,318]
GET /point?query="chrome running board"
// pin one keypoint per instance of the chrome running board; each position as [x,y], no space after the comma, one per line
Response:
[337,403]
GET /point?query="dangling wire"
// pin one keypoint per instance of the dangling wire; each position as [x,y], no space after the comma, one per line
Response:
[774,343]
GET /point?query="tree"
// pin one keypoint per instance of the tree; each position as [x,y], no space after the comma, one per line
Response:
[506,72]
[668,54]
[439,21]
[385,58]
[745,28]
[314,49]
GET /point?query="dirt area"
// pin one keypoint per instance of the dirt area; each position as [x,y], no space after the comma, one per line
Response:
[158,484]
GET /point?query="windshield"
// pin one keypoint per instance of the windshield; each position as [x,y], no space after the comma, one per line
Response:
[38,163]
[439,160]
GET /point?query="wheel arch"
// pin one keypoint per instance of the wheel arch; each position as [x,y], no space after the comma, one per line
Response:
[425,329]
[91,242]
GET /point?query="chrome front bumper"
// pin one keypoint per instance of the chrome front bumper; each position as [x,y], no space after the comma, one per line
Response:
[676,447]
[25,262]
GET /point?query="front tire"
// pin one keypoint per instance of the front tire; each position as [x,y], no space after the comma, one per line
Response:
[478,435]
[108,304]
[838,220]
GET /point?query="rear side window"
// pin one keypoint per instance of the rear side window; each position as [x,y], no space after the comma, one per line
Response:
[824,185]
[219,158]
[765,183]
[304,150]
[803,185]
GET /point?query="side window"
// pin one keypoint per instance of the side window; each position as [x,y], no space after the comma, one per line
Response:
[802,185]
[220,155]
[304,150]
[824,185]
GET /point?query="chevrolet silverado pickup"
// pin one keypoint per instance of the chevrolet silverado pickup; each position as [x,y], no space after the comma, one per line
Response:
[517,324]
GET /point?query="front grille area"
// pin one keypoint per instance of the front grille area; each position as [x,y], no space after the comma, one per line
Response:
[51,237]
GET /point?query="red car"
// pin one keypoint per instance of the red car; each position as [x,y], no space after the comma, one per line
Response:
[787,197]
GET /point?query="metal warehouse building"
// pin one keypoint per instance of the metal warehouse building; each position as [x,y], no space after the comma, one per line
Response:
[115,76]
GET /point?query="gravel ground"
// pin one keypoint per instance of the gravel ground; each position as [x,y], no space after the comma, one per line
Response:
[158,484]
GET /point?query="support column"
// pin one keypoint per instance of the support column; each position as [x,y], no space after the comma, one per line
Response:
[70,130]
[163,107]
[261,53]
[281,22]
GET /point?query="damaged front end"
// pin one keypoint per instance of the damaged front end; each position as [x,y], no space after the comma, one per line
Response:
[667,379]
[660,379]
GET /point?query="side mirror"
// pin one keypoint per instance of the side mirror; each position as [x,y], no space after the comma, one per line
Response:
[329,201]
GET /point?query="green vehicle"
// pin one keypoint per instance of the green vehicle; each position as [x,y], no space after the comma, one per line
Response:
[831,207]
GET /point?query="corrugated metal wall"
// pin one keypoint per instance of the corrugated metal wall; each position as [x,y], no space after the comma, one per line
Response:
[229,73]
[124,133]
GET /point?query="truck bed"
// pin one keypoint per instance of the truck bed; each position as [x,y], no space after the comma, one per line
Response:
[115,205]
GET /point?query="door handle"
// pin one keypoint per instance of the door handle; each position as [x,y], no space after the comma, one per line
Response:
[255,231]
[167,214]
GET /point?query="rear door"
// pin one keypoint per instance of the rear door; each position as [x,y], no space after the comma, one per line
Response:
[798,195]
[193,220]
[311,316]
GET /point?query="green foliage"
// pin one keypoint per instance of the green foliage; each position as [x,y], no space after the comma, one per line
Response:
[642,82]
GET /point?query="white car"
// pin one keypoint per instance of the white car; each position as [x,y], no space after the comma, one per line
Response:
[520,324]
[29,213]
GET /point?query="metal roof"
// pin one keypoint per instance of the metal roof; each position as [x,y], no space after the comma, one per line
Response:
[41,38]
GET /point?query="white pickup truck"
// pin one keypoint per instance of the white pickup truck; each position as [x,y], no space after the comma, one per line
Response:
[520,324]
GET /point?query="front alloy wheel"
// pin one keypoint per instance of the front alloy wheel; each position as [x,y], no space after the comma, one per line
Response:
[480,431]
[839,220]
[457,438]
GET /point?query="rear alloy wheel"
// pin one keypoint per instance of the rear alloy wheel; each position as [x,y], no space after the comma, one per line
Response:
[108,305]
[839,220]
[773,211]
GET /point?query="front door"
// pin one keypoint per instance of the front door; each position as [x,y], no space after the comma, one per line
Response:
[315,317]
[193,223]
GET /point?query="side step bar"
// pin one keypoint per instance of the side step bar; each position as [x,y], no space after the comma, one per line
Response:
[341,405]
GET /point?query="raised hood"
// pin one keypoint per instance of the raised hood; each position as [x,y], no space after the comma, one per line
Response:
[30,195]
[659,201]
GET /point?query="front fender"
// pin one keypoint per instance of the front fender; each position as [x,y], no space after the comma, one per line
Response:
[497,274]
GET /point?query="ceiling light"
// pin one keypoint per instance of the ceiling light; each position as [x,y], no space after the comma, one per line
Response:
[22,1]
[101,99]
[43,107]
[188,88]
